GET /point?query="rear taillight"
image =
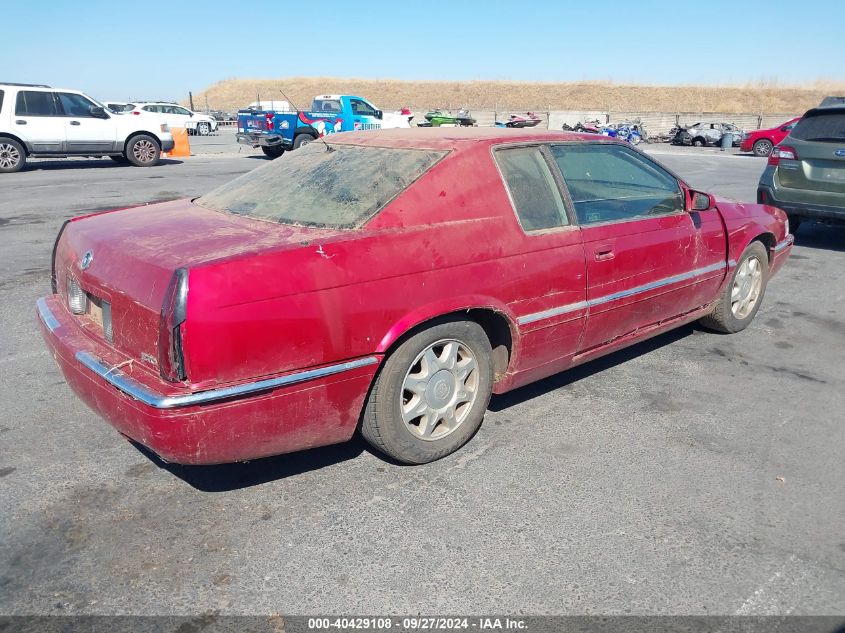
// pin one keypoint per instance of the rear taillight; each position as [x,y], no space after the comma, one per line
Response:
[136,113]
[782,151]
[77,299]
[269,118]
[171,359]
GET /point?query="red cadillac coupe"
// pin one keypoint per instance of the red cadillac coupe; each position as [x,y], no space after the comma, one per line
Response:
[389,281]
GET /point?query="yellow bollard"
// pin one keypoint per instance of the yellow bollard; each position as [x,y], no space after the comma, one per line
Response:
[181,147]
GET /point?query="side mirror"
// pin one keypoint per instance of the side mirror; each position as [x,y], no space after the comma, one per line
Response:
[701,201]
[379,114]
[191,114]
[98,113]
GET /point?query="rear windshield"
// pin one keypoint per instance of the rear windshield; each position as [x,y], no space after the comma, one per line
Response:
[826,128]
[316,187]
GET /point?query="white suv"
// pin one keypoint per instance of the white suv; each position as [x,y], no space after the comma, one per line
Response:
[38,121]
[175,115]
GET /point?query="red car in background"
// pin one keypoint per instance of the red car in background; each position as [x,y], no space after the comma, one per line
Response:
[389,281]
[761,142]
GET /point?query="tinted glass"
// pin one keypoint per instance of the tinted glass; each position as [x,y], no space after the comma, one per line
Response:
[314,187]
[611,182]
[75,105]
[32,103]
[362,108]
[532,187]
[827,128]
[325,105]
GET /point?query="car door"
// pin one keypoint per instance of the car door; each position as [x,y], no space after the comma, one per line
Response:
[83,131]
[364,116]
[180,117]
[37,122]
[549,274]
[648,259]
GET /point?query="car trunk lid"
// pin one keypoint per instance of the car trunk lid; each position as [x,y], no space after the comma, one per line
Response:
[120,264]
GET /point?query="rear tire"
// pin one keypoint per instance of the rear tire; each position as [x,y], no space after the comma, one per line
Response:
[12,156]
[272,152]
[794,223]
[742,296]
[431,393]
[699,142]
[143,151]
[302,139]
[763,147]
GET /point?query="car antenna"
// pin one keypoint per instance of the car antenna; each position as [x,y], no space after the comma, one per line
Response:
[328,148]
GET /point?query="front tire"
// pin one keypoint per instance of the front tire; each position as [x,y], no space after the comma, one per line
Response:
[741,298]
[12,156]
[794,223]
[431,394]
[763,147]
[203,128]
[699,142]
[143,151]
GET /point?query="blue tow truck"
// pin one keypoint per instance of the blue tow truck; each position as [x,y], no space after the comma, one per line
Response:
[276,132]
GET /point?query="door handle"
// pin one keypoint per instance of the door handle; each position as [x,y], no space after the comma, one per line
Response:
[74,122]
[604,255]
[20,122]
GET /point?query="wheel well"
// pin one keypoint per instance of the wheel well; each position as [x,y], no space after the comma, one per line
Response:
[18,140]
[139,133]
[767,240]
[496,326]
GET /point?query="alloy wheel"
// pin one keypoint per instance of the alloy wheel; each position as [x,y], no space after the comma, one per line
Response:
[10,156]
[747,284]
[439,389]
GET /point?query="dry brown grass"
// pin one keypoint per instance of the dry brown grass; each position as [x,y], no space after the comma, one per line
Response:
[762,96]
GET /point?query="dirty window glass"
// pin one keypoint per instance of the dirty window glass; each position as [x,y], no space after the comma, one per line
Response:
[533,190]
[609,182]
[315,187]
[825,128]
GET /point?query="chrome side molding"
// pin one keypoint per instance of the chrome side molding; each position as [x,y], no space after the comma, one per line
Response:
[136,390]
[546,314]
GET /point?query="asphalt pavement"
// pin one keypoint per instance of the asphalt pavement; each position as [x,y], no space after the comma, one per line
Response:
[694,473]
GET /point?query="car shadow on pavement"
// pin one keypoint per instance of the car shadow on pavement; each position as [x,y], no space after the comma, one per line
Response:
[229,477]
[831,238]
[101,163]
[570,376]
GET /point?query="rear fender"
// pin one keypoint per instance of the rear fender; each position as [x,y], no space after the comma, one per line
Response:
[425,313]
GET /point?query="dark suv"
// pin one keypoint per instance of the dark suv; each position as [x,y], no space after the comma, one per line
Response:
[806,172]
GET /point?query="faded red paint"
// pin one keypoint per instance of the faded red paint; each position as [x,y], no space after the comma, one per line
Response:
[266,299]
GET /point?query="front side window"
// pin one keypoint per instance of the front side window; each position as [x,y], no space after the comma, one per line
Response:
[609,182]
[35,103]
[151,108]
[533,190]
[75,105]
[315,187]
[362,108]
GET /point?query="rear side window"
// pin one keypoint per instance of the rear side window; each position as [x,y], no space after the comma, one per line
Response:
[532,188]
[33,103]
[825,128]
[315,187]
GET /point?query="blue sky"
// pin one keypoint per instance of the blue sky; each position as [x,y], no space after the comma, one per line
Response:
[121,49]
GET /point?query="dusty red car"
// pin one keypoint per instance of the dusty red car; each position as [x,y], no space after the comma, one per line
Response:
[761,142]
[389,281]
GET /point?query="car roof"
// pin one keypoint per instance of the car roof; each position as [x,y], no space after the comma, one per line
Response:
[830,109]
[445,138]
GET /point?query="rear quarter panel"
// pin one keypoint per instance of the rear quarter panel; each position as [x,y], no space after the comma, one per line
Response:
[745,222]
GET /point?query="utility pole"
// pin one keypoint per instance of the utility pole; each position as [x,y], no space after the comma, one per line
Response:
[191,99]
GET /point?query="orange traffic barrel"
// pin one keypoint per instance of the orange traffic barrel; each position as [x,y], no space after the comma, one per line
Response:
[181,147]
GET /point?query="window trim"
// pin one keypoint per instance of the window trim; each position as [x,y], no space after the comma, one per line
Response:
[568,209]
[683,187]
